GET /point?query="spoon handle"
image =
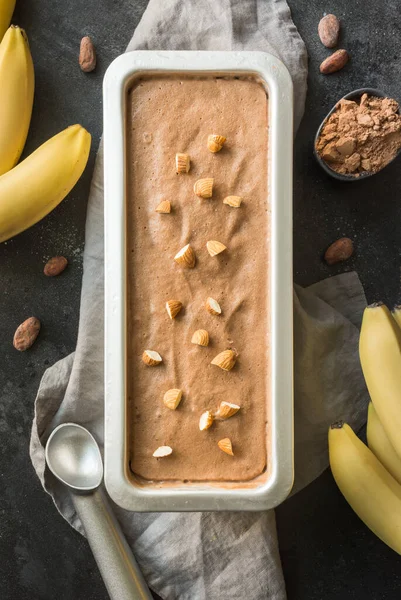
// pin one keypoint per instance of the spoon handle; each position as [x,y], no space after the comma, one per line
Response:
[113,556]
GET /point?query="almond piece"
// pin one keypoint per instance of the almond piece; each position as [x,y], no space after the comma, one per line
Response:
[200,337]
[151,358]
[206,420]
[213,306]
[335,62]
[234,201]
[339,251]
[162,451]
[186,257]
[26,334]
[214,247]
[164,207]
[204,187]
[226,446]
[173,307]
[55,266]
[87,55]
[172,398]
[226,410]
[215,142]
[182,163]
[225,360]
[328,30]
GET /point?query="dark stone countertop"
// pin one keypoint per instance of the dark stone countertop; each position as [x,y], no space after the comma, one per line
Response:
[326,551]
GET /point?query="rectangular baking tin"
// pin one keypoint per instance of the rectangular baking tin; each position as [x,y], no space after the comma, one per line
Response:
[199,496]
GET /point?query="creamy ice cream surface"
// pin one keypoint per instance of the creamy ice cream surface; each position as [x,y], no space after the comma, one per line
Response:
[165,116]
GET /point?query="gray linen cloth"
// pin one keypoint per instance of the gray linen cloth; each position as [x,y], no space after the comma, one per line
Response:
[199,556]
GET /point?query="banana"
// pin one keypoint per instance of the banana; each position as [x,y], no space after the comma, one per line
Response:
[380,354]
[371,491]
[34,187]
[17,82]
[396,312]
[6,12]
[380,446]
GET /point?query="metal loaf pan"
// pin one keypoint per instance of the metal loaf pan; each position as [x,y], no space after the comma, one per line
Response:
[268,491]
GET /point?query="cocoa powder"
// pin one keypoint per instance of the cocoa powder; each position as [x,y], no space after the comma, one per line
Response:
[361,136]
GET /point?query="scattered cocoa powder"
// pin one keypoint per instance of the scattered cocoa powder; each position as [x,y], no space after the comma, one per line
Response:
[361,136]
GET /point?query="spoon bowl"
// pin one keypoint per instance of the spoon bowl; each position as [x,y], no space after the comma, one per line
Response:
[73,456]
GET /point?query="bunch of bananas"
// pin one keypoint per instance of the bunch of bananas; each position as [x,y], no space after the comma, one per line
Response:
[370,477]
[30,190]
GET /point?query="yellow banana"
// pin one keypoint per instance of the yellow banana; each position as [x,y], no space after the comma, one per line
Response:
[34,187]
[380,354]
[379,444]
[16,96]
[396,312]
[371,491]
[6,12]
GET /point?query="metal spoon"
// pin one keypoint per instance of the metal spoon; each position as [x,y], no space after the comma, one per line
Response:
[73,456]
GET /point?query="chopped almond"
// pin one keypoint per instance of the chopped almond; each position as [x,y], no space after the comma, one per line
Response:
[182,163]
[162,451]
[234,201]
[225,360]
[215,142]
[206,420]
[186,257]
[164,207]
[173,307]
[200,337]
[214,247]
[226,446]
[172,398]
[151,358]
[213,306]
[227,410]
[204,187]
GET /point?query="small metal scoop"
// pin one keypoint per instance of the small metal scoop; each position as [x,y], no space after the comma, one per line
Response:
[73,456]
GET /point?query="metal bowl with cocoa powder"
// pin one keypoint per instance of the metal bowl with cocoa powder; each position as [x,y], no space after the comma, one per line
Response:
[379,137]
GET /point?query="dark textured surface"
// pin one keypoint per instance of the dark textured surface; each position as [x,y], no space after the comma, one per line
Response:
[326,551]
